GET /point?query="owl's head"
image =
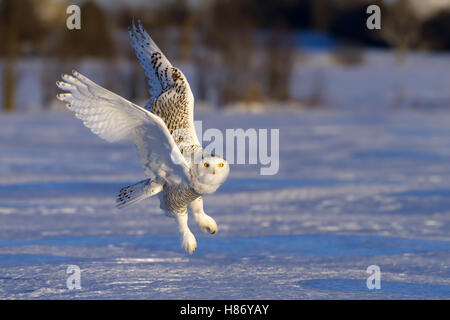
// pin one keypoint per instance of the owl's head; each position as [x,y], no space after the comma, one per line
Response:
[211,172]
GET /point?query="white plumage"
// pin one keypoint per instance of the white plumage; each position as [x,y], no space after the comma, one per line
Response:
[177,167]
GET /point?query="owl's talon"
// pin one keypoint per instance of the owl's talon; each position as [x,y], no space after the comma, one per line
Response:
[188,242]
[206,223]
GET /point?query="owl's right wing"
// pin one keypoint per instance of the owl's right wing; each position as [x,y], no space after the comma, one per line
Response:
[113,118]
[171,97]
[157,67]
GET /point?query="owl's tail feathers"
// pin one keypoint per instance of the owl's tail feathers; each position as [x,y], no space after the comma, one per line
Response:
[137,192]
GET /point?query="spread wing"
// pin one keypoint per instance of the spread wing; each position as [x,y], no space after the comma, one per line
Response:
[114,118]
[171,96]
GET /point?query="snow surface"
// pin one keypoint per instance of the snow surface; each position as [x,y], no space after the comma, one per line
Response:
[354,189]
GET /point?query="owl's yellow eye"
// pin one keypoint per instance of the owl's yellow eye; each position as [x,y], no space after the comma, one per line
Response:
[221,164]
[206,164]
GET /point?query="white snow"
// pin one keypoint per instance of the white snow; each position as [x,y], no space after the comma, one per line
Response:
[354,189]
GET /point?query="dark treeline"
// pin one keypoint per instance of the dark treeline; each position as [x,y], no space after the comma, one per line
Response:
[249,43]
[29,24]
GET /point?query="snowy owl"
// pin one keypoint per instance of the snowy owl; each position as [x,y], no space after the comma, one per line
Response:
[177,167]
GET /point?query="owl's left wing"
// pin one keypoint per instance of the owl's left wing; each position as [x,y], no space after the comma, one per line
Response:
[113,118]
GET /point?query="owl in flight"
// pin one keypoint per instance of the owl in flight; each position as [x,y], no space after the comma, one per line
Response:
[177,167]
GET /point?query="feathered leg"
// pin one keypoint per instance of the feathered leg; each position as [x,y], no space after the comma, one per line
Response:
[205,222]
[188,241]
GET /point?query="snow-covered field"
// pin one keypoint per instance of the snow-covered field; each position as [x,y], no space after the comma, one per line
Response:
[354,189]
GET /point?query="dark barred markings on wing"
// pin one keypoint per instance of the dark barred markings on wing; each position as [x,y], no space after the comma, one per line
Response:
[171,96]
[173,109]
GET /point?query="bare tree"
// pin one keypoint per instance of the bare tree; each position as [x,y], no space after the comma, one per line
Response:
[279,64]
[21,34]
[401,28]
[10,26]
[228,34]
[11,57]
